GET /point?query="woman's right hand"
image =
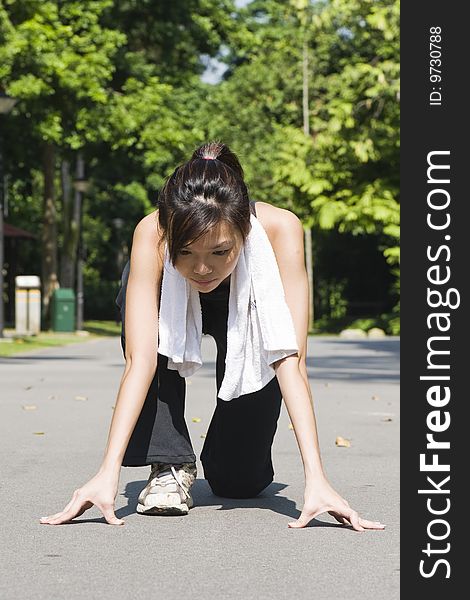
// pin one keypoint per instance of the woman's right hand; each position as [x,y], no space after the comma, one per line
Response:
[99,491]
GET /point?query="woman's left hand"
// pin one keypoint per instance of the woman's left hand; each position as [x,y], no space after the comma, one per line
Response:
[320,497]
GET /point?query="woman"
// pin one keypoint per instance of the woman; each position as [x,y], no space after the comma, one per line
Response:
[204,218]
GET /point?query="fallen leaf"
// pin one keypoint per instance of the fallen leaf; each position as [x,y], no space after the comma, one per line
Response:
[374,397]
[29,407]
[377,414]
[196,420]
[28,387]
[387,420]
[81,398]
[342,442]
[291,426]
[38,432]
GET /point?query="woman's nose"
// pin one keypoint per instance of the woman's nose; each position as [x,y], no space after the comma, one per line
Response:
[202,269]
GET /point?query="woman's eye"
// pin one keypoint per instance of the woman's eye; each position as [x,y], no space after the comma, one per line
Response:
[217,252]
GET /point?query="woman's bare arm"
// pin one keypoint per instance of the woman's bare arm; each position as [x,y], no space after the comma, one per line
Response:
[141,319]
[286,236]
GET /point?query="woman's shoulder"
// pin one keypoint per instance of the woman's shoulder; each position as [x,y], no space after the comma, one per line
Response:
[146,240]
[149,223]
[277,222]
[148,229]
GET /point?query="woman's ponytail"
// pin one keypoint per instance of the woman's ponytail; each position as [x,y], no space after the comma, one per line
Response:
[217,150]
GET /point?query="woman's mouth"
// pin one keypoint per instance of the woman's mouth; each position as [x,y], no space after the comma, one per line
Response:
[205,282]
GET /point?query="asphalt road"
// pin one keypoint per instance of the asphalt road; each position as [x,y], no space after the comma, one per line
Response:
[224,548]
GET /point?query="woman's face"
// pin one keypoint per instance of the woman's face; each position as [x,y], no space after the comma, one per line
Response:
[212,258]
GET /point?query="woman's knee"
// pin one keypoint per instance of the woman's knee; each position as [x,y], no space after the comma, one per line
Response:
[237,489]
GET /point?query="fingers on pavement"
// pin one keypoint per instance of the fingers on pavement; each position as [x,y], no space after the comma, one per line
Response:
[75,507]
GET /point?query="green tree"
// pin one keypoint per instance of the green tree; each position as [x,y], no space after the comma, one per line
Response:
[56,59]
[118,82]
[343,173]
[349,168]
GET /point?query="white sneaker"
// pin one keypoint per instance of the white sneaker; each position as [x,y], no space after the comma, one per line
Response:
[167,490]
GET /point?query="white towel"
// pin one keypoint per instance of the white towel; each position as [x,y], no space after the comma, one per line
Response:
[260,329]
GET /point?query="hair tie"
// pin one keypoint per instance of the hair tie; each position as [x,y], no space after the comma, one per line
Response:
[208,158]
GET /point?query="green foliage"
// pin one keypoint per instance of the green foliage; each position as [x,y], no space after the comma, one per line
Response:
[57,59]
[347,170]
[332,301]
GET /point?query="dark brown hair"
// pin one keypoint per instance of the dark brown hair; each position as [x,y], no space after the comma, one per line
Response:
[202,192]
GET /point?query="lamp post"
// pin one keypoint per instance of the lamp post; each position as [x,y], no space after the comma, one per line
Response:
[6,104]
[81,185]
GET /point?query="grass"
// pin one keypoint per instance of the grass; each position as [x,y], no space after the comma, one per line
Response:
[103,328]
[47,339]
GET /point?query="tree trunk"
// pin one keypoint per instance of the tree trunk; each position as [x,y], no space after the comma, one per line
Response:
[49,236]
[70,227]
[78,216]
[305,107]
[308,230]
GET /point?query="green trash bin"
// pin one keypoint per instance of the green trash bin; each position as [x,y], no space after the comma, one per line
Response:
[63,310]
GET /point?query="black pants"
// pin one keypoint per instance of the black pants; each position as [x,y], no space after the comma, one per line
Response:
[236,455]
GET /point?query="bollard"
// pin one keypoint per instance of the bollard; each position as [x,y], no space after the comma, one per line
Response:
[27,305]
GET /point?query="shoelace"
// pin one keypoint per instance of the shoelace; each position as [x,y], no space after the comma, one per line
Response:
[164,478]
[181,484]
